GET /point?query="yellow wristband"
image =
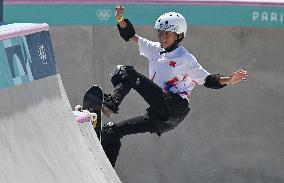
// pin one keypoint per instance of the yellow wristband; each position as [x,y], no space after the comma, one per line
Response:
[121,19]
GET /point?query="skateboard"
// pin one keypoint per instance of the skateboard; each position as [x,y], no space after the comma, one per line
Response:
[92,102]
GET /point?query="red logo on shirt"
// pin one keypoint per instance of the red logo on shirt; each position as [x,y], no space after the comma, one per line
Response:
[172,63]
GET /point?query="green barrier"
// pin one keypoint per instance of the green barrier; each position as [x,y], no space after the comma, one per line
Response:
[146,14]
[1,10]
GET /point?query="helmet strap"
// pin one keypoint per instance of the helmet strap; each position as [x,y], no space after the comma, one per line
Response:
[173,46]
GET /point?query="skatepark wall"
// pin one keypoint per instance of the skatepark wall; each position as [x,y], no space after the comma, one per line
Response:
[40,141]
[233,135]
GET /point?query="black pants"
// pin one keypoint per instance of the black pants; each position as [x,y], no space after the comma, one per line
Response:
[166,111]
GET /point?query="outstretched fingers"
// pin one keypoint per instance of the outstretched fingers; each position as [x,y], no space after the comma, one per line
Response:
[242,74]
[238,76]
[119,11]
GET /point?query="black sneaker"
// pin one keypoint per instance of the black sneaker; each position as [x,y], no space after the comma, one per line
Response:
[111,141]
[110,132]
[109,106]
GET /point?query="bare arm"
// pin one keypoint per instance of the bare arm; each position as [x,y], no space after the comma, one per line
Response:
[119,12]
[234,78]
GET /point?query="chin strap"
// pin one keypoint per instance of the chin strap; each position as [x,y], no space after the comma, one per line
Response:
[173,46]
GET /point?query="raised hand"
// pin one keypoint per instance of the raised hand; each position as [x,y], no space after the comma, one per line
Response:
[119,11]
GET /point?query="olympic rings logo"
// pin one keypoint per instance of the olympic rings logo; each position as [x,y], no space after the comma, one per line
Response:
[103,14]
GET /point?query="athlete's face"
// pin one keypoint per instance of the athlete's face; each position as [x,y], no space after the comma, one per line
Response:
[166,38]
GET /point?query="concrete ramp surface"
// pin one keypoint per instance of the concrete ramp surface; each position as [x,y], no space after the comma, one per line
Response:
[39,140]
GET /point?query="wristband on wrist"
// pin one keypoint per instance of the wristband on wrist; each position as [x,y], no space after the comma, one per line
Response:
[212,81]
[127,32]
[121,19]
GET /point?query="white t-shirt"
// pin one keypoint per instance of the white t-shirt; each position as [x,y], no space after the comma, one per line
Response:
[177,71]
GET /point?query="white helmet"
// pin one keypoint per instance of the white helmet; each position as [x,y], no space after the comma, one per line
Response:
[173,22]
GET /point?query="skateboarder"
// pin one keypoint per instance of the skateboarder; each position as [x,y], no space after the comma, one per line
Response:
[173,73]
